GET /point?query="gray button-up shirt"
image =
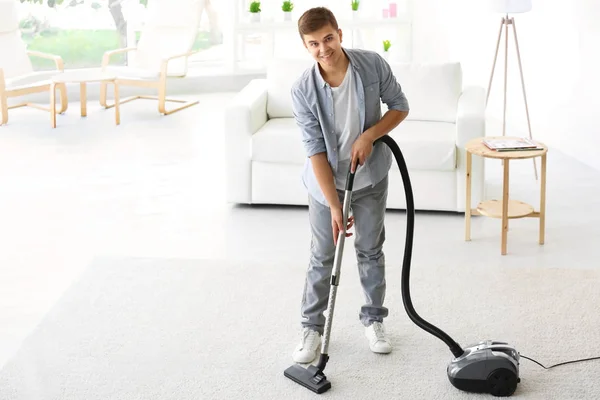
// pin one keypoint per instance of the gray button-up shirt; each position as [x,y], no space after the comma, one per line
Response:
[312,103]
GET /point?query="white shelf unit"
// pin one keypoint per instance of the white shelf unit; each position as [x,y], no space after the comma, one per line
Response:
[274,37]
[343,24]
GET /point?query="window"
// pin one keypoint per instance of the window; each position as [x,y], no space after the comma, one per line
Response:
[210,36]
[81,31]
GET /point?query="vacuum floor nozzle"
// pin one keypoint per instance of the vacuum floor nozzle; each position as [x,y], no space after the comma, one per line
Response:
[311,378]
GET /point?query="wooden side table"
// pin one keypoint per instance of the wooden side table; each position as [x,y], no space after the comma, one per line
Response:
[83,78]
[505,209]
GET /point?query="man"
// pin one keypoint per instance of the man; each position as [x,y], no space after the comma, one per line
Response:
[337,106]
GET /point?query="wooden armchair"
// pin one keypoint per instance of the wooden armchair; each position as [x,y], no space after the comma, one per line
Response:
[17,77]
[162,52]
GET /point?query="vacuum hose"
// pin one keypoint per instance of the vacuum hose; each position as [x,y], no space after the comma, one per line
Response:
[455,348]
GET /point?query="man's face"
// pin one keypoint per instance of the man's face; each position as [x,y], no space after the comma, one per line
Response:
[325,45]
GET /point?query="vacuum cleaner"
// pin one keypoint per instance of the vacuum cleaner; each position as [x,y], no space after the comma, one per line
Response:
[486,367]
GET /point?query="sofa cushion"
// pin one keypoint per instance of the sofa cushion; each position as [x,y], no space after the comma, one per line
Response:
[38,78]
[278,141]
[432,90]
[281,75]
[425,145]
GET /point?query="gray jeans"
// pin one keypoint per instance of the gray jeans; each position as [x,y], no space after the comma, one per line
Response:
[368,208]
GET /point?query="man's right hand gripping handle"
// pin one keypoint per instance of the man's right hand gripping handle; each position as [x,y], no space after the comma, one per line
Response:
[324,176]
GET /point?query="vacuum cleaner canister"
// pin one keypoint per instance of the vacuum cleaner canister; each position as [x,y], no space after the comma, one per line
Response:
[488,367]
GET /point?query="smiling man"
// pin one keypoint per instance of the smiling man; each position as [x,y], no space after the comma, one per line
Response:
[337,106]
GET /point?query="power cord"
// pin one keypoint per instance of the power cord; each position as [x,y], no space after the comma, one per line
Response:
[556,365]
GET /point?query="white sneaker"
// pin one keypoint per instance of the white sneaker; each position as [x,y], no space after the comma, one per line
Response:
[377,340]
[306,351]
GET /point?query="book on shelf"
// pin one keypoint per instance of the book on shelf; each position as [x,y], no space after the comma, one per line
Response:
[521,144]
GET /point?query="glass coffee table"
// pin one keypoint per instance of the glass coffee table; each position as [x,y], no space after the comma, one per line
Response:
[83,78]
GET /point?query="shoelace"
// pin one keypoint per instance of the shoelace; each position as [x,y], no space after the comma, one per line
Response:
[378,329]
[309,339]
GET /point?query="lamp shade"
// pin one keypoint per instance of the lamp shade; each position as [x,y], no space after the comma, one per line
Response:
[511,6]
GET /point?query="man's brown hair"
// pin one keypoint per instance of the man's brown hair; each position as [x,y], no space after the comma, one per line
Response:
[314,19]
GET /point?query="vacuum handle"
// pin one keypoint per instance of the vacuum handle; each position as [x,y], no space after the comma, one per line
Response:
[335,273]
[350,180]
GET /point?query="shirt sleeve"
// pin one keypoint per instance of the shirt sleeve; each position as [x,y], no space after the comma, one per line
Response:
[312,135]
[390,89]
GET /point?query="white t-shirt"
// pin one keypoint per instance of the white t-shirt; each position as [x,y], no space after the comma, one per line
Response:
[347,129]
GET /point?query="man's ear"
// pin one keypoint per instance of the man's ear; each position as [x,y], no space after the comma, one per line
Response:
[340,34]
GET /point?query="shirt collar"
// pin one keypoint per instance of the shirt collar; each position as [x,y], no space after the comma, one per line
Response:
[317,71]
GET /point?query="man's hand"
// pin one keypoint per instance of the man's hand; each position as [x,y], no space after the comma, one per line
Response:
[361,150]
[337,223]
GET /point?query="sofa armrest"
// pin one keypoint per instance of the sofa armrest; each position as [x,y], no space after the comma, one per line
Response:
[470,124]
[470,118]
[244,116]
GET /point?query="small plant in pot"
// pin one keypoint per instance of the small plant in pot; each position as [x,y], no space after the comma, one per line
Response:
[287,8]
[386,48]
[255,11]
[355,5]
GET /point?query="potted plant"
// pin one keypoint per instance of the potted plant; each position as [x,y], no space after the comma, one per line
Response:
[355,4]
[386,48]
[287,8]
[255,11]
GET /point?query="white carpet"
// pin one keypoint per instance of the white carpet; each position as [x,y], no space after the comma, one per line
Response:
[209,329]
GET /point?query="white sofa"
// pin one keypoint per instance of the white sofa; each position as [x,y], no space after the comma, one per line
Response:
[265,154]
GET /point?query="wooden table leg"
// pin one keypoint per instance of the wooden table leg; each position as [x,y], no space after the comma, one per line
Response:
[543,201]
[505,206]
[3,106]
[83,98]
[468,198]
[53,104]
[117,109]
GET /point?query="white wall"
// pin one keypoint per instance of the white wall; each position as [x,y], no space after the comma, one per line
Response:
[559,43]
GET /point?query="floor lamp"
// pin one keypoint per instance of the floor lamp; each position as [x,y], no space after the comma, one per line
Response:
[510,7]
